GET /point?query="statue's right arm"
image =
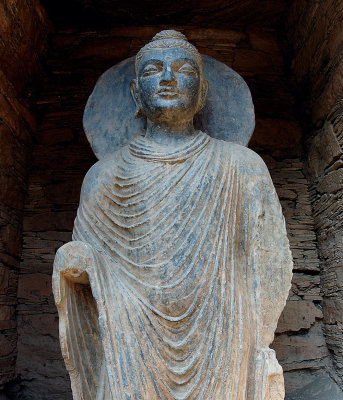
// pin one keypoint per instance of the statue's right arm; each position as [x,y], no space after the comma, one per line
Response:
[74,259]
[73,281]
[72,263]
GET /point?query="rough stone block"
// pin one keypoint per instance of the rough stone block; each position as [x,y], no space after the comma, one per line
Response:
[319,160]
[34,288]
[4,276]
[301,351]
[6,346]
[321,388]
[7,317]
[331,183]
[298,315]
[48,221]
[333,311]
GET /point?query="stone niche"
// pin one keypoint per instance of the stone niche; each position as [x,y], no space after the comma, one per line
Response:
[44,157]
[23,31]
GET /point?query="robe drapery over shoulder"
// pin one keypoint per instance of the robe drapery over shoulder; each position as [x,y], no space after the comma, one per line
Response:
[177,277]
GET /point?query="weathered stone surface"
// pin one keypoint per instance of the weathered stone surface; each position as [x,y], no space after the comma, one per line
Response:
[6,347]
[203,313]
[319,160]
[31,287]
[331,182]
[7,317]
[112,92]
[321,388]
[333,311]
[325,160]
[314,31]
[298,315]
[304,351]
[41,357]
[307,286]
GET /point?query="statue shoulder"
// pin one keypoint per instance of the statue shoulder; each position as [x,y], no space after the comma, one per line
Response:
[99,175]
[249,161]
[254,162]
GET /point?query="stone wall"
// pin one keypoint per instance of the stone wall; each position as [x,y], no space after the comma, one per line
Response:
[23,33]
[314,31]
[325,161]
[61,157]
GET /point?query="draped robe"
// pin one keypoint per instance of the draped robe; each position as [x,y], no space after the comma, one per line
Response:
[178,272]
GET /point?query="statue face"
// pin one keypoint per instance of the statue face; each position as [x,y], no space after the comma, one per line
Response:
[169,87]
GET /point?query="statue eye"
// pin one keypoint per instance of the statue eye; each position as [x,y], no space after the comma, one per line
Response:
[150,70]
[188,70]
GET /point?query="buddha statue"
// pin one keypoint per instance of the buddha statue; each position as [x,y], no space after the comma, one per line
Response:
[180,264]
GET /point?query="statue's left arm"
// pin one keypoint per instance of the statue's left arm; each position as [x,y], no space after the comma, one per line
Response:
[270,269]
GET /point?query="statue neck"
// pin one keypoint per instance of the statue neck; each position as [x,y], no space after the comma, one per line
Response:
[169,135]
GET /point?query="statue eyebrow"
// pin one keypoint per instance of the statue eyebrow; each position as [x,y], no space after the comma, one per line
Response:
[152,61]
[178,60]
[186,60]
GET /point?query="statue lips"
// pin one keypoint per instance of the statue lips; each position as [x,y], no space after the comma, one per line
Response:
[168,93]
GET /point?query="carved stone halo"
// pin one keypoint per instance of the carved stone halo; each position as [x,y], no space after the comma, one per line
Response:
[109,117]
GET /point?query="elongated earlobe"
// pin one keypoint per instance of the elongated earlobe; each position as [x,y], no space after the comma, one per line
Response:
[203,95]
[135,95]
[139,112]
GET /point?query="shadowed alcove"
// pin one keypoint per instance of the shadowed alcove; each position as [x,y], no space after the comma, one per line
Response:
[290,54]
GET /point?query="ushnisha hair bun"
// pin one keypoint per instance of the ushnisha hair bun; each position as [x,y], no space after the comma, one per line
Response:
[169,39]
[169,34]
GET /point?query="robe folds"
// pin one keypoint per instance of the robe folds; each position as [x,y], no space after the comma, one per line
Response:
[177,274]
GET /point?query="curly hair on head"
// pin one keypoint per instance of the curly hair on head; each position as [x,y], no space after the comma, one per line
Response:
[169,39]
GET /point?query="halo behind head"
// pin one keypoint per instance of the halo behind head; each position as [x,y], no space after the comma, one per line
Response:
[168,39]
[109,121]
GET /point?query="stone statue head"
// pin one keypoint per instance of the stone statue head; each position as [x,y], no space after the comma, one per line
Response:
[169,87]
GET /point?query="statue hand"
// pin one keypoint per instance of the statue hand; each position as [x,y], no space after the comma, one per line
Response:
[72,261]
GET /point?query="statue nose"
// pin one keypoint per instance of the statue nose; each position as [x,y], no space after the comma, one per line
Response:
[168,77]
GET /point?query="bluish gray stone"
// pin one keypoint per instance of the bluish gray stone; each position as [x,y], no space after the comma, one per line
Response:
[109,118]
[180,264]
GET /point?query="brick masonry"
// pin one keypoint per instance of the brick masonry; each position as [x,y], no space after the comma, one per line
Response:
[326,177]
[23,33]
[314,32]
